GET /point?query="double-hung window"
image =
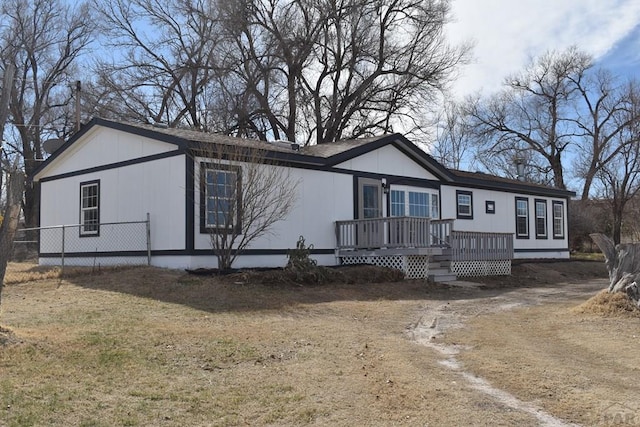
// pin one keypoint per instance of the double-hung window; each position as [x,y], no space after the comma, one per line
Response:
[90,208]
[522,218]
[541,219]
[418,204]
[558,220]
[464,204]
[220,197]
[397,203]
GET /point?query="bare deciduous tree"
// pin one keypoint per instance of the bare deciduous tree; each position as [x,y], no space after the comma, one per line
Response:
[244,194]
[531,113]
[328,70]
[165,62]
[618,182]
[46,39]
[312,70]
[604,110]
[10,217]
[15,181]
[453,142]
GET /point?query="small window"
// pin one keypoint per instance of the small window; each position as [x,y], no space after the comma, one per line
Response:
[490,207]
[558,220]
[522,218]
[435,206]
[464,204]
[90,208]
[397,203]
[541,219]
[220,197]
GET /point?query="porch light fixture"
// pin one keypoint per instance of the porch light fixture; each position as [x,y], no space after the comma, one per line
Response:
[385,187]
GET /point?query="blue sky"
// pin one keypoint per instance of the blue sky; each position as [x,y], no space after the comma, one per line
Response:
[507,33]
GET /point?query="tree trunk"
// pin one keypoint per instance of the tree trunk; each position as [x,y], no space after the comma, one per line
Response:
[623,263]
[15,184]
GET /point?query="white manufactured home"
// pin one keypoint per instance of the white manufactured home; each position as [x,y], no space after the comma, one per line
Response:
[378,200]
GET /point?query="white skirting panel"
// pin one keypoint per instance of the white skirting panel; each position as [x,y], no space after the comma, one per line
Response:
[413,266]
[481,268]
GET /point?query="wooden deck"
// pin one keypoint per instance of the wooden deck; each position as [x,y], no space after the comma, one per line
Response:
[463,252]
[411,235]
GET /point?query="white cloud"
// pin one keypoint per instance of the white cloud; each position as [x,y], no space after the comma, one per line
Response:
[507,33]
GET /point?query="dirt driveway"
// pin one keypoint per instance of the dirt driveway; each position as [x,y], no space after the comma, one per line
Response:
[530,351]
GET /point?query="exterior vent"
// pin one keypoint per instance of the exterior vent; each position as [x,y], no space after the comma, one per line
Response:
[285,144]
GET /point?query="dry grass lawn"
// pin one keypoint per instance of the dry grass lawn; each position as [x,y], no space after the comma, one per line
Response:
[148,346]
[579,363]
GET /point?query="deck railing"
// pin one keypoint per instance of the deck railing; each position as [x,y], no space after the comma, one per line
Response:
[476,246]
[414,232]
[441,232]
[389,232]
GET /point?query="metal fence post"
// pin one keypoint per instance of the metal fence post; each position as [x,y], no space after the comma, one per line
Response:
[62,252]
[148,239]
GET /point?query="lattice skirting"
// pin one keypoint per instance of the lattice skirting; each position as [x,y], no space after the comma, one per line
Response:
[481,268]
[413,266]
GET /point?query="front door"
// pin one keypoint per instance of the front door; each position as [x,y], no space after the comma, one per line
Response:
[370,233]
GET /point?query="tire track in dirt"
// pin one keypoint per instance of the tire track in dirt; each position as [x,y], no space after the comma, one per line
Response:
[439,319]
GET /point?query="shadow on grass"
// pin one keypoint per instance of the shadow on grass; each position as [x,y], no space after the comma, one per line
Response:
[245,291]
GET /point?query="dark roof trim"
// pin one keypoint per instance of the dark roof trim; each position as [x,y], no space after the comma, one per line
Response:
[293,158]
[110,166]
[514,187]
[97,121]
[181,143]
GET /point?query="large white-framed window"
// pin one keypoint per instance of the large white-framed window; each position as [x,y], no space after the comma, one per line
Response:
[541,218]
[90,208]
[558,220]
[220,197]
[464,204]
[414,202]
[522,218]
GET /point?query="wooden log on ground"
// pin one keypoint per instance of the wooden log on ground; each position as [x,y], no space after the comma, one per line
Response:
[623,264]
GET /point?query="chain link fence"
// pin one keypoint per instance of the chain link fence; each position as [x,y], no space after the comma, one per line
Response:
[50,252]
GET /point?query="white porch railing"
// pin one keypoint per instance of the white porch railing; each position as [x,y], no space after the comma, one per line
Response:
[441,232]
[470,253]
[390,232]
[476,246]
[414,232]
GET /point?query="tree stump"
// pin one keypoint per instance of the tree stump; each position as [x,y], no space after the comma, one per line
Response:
[623,263]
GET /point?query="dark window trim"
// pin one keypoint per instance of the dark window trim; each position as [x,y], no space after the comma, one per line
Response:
[490,207]
[458,214]
[553,219]
[522,236]
[204,166]
[546,219]
[95,182]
